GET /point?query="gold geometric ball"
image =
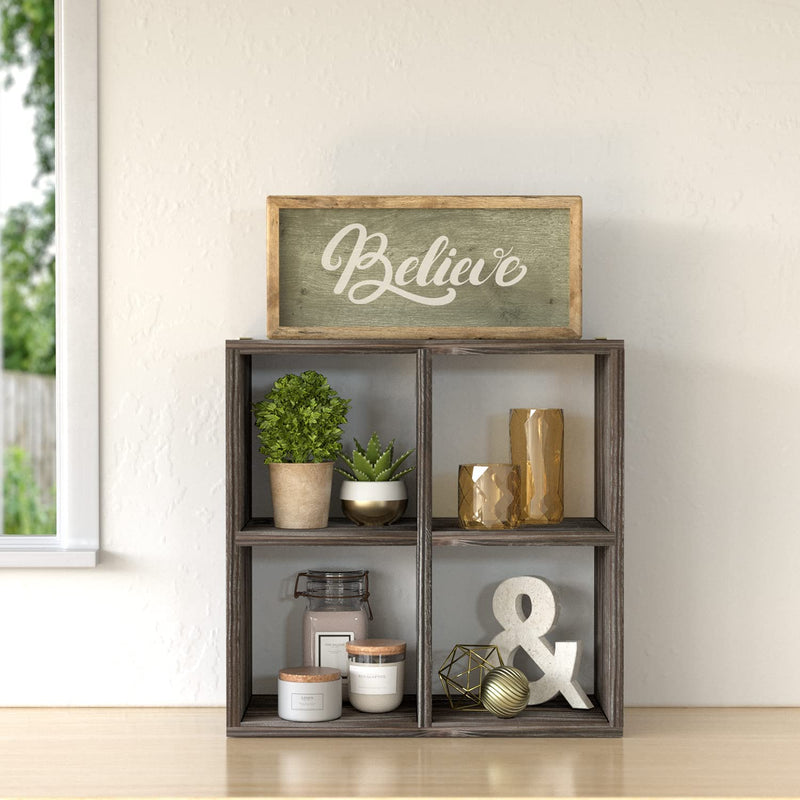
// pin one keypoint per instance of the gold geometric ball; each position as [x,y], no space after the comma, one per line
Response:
[505,692]
[463,671]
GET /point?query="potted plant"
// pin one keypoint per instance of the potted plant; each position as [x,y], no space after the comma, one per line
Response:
[299,426]
[373,493]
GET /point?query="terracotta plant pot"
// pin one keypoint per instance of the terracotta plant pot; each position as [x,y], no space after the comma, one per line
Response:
[301,494]
[373,502]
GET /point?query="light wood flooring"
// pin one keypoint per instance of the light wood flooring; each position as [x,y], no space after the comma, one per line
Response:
[183,752]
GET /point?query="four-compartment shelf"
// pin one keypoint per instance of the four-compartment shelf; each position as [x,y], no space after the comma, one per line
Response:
[426,714]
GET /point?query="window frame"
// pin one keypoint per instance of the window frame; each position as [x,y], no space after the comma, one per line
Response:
[77,540]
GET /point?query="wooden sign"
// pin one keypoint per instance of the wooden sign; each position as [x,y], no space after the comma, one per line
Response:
[424,267]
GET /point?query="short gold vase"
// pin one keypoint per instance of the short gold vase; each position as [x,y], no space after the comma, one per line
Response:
[488,496]
[537,447]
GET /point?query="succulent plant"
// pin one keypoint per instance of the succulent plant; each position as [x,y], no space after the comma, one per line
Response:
[370,463]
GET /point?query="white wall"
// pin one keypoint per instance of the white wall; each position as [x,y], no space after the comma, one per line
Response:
[677,121]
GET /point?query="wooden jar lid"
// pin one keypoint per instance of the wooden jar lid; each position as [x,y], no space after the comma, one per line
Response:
[309,674]
[376,647]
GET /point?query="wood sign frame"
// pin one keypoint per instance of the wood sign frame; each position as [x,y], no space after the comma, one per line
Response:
[424,267]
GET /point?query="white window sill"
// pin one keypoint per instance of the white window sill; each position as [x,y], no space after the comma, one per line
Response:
[46,556]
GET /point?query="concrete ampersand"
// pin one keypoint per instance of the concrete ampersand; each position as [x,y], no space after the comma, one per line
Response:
[560,663]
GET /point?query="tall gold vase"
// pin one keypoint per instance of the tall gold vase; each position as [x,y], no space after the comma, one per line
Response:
[537,446]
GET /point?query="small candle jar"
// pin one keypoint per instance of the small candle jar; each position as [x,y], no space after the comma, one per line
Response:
[309,694]
[376,674]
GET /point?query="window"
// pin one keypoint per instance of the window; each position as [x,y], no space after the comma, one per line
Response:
[77,383]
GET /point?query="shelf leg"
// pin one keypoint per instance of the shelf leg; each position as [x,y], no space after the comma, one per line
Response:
[424,538]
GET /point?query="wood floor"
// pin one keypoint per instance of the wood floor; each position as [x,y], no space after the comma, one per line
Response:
[184,753]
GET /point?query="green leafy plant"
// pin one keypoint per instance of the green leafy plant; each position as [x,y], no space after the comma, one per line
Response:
[27,40]
[24,513]
[300,420]
[370,463]
[29,298]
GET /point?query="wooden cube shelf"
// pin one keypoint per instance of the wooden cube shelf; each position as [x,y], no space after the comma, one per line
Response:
[426,714]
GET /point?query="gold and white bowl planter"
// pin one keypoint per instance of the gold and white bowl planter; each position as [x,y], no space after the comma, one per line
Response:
[373,502]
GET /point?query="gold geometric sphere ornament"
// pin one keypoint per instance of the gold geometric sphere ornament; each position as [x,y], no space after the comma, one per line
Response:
[463,672]
[537,447]
[489,496]
[505,691]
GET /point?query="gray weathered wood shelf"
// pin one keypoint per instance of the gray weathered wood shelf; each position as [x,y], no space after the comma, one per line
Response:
[260,531]
[571,532]
[340,532]
[261,718]
[426,714]
[550,719]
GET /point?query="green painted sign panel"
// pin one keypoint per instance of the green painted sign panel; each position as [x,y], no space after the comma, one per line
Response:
[427,268]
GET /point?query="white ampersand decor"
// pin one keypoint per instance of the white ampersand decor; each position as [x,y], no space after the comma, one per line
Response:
[560,663]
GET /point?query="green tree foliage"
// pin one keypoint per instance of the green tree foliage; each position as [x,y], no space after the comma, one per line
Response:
[27,40]
[23,511]
[29,300]
[27,37]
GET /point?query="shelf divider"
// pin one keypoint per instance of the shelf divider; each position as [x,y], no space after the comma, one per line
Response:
[239,649]
[424,537]
[608,579]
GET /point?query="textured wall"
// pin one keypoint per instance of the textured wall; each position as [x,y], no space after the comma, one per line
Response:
[678,124]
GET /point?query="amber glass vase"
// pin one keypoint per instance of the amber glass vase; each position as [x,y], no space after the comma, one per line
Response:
[537,447]
[488,496]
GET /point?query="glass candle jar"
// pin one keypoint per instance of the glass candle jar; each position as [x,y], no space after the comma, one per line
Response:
[337,613]
[376,674]
[309,694]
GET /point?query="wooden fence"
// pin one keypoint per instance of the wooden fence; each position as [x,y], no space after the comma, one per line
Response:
[29,422]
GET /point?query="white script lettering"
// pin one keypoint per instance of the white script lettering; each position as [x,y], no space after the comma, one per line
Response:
[369,253]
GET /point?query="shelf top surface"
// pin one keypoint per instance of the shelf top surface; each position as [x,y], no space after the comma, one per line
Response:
[434,346]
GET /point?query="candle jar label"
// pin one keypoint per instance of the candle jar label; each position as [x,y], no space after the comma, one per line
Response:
[374,678]
[329,649]
[308,702]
